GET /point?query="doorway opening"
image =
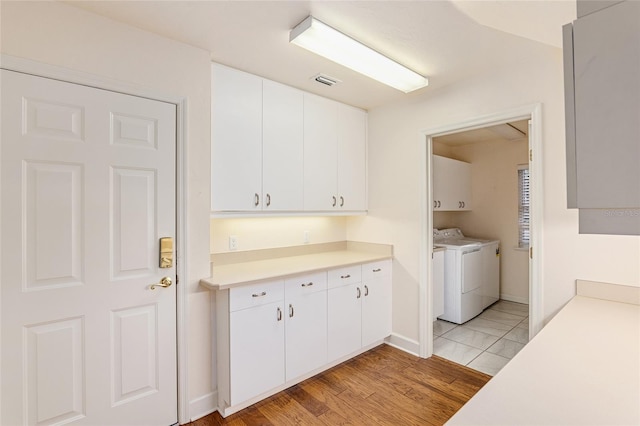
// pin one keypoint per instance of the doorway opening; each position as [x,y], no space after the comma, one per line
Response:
[500,153]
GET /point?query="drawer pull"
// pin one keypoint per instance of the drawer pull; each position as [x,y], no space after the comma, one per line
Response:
[279,316]
[345,276]
[366,290]
[309,284]
[264,293]
[290,310]
[377,270]
[359,293]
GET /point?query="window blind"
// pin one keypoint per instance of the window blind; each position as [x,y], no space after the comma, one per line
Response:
[523,206]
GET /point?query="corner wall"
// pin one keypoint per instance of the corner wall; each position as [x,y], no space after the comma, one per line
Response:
[58,34]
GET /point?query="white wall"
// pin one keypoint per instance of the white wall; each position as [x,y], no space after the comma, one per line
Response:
[273,232]
[394,165]
[57,34]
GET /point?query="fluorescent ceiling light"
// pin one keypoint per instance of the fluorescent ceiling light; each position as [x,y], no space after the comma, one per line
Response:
[325,41]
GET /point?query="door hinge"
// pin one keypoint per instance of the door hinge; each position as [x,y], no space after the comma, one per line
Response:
[530,252]
[530,155]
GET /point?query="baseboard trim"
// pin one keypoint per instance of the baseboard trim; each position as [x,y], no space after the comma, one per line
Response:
[203,406]
[404,344]
[516,299]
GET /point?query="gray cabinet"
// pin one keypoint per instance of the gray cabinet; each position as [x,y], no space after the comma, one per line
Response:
[602,101]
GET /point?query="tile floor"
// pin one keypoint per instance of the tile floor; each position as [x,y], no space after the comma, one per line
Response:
[487,342]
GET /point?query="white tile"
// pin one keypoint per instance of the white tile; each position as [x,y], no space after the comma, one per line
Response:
[524,324]
[519,309]
[518,335]
[440,327]
[506,348]
[470,337]
[454,351]
[490,327]
[501,317]
[488,363]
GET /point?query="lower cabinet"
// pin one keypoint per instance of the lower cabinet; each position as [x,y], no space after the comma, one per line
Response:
[274,333]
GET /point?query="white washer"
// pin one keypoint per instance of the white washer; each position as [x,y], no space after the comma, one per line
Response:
[472,274]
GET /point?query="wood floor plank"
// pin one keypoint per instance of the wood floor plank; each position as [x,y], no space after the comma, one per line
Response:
[384,386]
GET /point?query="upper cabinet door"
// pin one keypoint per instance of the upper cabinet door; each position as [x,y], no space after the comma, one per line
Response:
[236,140]
[282,148]
[352,152]
[451,184]
[607,107]
[320,153]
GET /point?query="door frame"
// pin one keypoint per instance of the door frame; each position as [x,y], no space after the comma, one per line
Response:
[39,69]
[536,311]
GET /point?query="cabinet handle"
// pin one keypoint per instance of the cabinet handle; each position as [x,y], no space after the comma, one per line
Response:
[256,200]
[463,204]
[268,200]
[345,276]
[359,293]
[290,310]
[334,201]
[366,290]
[341,201]
[377,270]
[439,203]
[435,204]
[279,316]
[309,284]
[264,293]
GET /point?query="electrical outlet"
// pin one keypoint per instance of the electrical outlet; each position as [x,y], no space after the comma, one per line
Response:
[233,242]
[305,237]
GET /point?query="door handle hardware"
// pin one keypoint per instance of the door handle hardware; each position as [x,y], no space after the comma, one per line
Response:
[334,201]
[256,199]
[268,200]
[366,290]
[166,252]
[309,284]
[164,283]
[341,201]
[377,270]
[345,276]
[279,315]
[290,310]
[359,293]
[264,293]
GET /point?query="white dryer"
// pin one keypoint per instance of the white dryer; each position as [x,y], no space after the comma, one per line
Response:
[471,274]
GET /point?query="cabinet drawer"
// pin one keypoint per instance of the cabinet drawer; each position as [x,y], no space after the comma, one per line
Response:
[373,270]
[344,276]
[255,294]
[306,284]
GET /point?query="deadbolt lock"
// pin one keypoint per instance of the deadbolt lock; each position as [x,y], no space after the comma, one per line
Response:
[166,252]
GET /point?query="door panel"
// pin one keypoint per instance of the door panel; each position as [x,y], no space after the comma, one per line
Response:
[88,188]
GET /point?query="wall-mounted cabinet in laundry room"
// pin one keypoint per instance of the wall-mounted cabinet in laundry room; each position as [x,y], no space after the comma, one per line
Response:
[277,149]
[451,184]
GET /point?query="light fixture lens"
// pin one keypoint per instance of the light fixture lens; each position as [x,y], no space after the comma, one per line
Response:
[323,40]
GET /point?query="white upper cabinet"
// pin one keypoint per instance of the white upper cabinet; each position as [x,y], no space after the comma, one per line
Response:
[352,151]
[278,149]
[282,145]
[236,140]
[451,184]
[320,153]
[335,140]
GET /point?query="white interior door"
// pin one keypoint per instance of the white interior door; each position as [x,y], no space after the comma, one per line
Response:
[88,188]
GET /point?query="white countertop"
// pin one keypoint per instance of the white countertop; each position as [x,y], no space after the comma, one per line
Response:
[236,274]
[583,368]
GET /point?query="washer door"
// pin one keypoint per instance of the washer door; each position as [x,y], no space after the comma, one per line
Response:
[471,270]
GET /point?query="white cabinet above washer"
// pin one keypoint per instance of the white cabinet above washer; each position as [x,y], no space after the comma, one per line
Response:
[451,184]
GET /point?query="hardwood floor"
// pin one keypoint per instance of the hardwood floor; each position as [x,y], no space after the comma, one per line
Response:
[384,386]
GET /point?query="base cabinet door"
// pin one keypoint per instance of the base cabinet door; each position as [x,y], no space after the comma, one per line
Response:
[257,350]
[345,323]
[306,324]
[376,301]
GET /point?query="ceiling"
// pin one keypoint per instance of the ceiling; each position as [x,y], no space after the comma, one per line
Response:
[516,130]
[445,40]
